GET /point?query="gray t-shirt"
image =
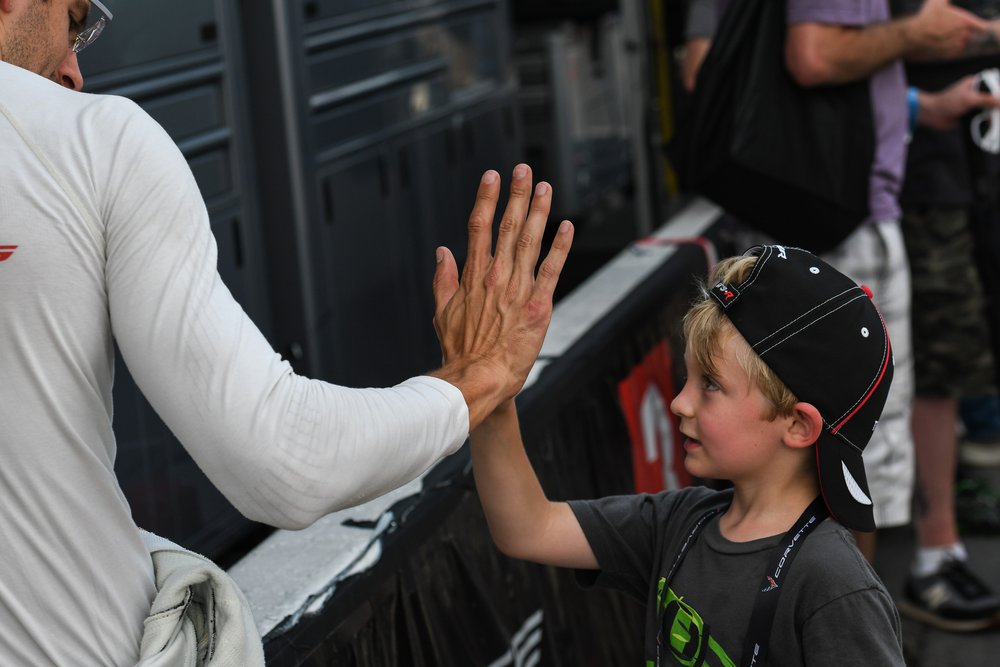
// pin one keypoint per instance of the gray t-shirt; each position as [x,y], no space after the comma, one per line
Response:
[834,610]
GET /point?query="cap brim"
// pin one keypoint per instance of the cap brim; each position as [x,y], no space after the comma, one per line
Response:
[843,483]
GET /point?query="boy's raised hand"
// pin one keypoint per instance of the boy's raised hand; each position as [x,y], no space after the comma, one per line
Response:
[491,324]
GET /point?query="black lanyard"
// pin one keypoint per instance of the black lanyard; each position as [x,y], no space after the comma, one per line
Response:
[766,601]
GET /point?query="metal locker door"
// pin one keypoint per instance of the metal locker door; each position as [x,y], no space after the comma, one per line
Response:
[145,32]
[365,296]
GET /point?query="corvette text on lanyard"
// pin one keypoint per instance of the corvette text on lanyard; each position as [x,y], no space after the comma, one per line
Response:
[766,602]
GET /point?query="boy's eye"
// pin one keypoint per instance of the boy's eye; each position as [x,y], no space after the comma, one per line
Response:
[708,383]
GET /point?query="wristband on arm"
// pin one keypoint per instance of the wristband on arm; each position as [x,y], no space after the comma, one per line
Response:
[913,105]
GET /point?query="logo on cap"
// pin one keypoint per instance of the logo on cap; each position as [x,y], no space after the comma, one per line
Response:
[724,294]
[853,487]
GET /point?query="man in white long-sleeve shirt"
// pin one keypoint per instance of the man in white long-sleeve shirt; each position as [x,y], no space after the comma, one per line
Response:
[104,236]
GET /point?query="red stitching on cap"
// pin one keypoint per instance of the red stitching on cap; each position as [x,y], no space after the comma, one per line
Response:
[881,375]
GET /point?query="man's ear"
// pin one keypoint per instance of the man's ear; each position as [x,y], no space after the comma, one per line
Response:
[805,427]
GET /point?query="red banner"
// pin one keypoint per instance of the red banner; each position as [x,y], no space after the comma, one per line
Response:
[645,395]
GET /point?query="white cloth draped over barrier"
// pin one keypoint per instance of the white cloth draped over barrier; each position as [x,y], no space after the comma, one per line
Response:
[199,616]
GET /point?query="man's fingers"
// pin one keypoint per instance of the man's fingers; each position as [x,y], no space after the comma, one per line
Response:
[548,272]
[529,243]
[986,101]
[445,282]
[971,21]
[481,224]
[513,219]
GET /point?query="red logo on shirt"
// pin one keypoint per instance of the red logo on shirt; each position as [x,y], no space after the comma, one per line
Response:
[6,251]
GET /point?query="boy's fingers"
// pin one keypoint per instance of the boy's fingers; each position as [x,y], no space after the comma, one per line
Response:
[481,224]
[445,282]
[548,272]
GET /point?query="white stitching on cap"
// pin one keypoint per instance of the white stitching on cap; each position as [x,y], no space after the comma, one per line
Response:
[758,266]
[854,487]
[885,339]
[807,313]
[840,436]
[807,324]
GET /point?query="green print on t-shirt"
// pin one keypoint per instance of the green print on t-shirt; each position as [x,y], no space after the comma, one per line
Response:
[686,635]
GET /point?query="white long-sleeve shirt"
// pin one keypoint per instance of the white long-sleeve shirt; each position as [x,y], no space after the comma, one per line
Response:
[113,242]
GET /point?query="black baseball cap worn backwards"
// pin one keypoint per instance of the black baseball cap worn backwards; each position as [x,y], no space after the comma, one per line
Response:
[823,337]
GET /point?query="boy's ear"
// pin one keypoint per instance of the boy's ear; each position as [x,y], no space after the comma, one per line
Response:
[805,427]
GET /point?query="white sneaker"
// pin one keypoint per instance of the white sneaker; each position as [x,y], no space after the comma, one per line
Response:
[979,454]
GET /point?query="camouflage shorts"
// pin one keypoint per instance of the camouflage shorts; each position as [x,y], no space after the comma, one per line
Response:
[951,339]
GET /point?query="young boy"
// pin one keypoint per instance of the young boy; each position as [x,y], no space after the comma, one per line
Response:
[788,366]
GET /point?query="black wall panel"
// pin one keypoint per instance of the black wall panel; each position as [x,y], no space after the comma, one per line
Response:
[153,33]
[364,279]
[387,117]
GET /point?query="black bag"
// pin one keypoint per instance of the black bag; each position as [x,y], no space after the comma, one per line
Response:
[792,162]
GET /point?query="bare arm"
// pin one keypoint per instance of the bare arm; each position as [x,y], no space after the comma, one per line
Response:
[701,23]
[523,522]
[491,324]
[695,51]
[820,54]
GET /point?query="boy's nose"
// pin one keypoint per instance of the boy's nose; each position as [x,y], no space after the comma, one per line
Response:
[681,406]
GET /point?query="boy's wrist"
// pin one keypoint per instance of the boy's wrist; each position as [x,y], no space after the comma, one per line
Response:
[483,386]
[505,410]
[495,422]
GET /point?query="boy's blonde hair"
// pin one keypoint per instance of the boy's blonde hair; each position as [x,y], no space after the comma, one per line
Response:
[706,328]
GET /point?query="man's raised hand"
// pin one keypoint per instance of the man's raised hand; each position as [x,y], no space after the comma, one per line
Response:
[492,322]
